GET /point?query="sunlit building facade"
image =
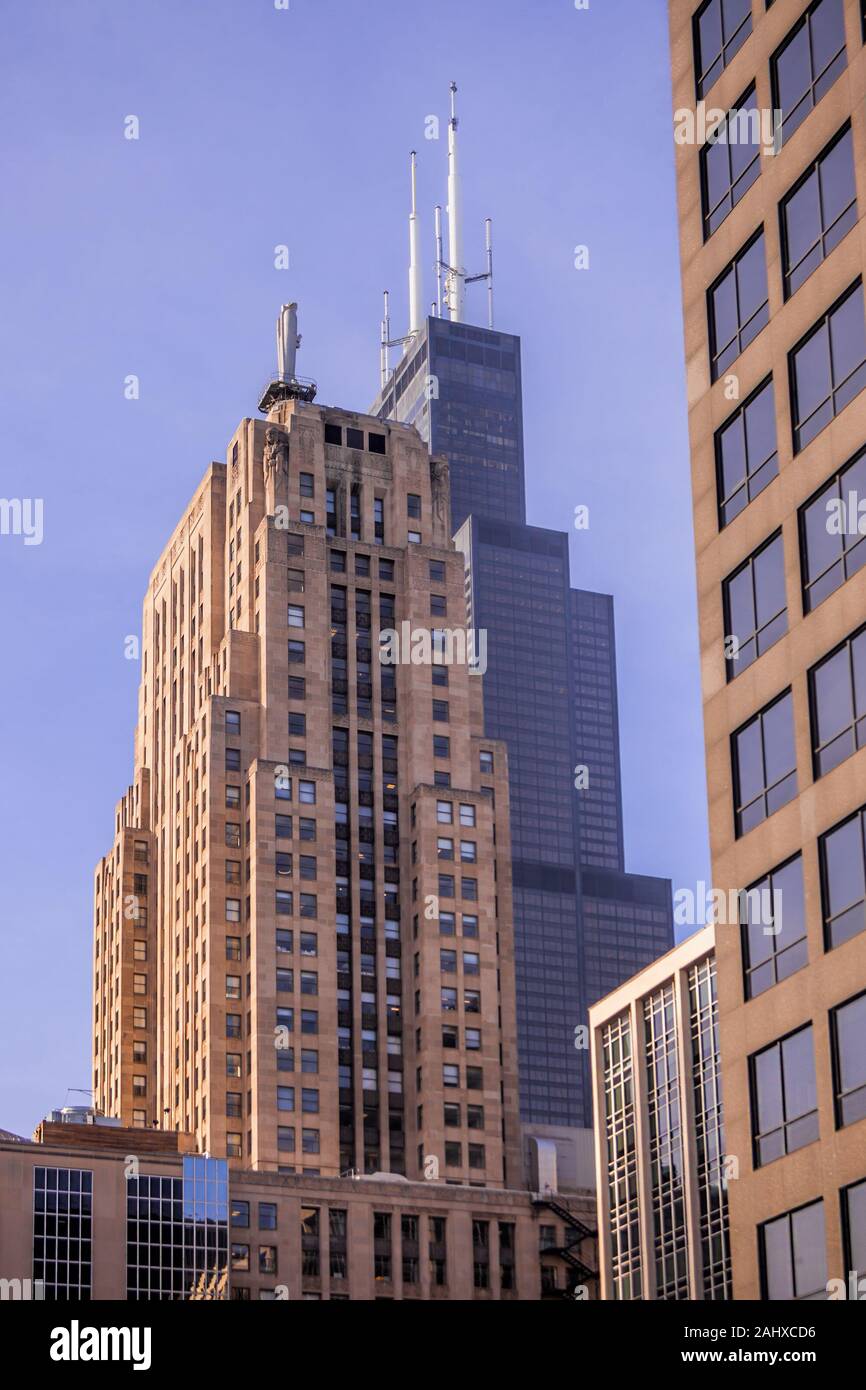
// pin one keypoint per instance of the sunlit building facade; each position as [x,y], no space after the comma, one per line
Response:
[772,252]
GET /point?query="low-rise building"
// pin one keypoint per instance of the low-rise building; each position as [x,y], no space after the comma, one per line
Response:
[659,1131]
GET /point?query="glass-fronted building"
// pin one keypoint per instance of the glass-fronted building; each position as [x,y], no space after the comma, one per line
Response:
[177,1232]
[659,1131]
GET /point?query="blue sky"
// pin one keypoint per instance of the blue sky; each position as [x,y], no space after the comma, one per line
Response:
[155,257]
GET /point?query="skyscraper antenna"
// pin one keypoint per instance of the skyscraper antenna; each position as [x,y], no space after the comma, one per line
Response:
[437,222]
[488,273]
[456,272]
[415,311]
[384,342]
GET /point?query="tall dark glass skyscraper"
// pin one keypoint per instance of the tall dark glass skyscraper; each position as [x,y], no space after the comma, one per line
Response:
[582,924]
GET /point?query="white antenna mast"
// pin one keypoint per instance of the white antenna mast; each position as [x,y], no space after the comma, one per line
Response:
[415,292]
[437,219]
[384,343]
[456,273]
[414,264]
[488,273]
[456,278]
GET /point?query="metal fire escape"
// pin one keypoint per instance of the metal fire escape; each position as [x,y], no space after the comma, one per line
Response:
[571,1252]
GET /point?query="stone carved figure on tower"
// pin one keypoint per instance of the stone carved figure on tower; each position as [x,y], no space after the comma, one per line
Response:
[275,467]
[288,342]
[439,479]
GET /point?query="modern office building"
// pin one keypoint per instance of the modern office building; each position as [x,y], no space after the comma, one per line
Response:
[91,1210]
[303,941]
[659,1132]
[581,924]
[772,248]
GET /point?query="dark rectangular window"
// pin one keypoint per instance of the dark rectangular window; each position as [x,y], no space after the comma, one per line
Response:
[793,1255]
[354,438]
[842,855]
[807,64]
[375,443]
[730,161]
[738,306]
[765,764]
[818,212]
[721,27]
[756,611]
[848,1032]
[854,1225]
[784,1097]
[746,457]
[333,434]
[837,704]
[832,533]
[773,921]
[828,367]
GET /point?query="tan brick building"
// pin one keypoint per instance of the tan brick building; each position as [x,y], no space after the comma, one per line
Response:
[773,243]
[303,938]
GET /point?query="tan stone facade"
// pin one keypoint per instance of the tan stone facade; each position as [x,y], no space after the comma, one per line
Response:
[780,1176]
[303,938]
[285,1236]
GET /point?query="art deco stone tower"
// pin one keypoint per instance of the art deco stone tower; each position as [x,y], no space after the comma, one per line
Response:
[303,937]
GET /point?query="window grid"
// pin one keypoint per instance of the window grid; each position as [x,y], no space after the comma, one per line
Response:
[670,1240]
[709,1131]
[843,666]
[839,849]
[831,572]
[622,1159]
[771,796]
[822,75]
[758,469]
[734,19]
[748,320]
[63,1233]
[842,388]
[831,232]
[777,952]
